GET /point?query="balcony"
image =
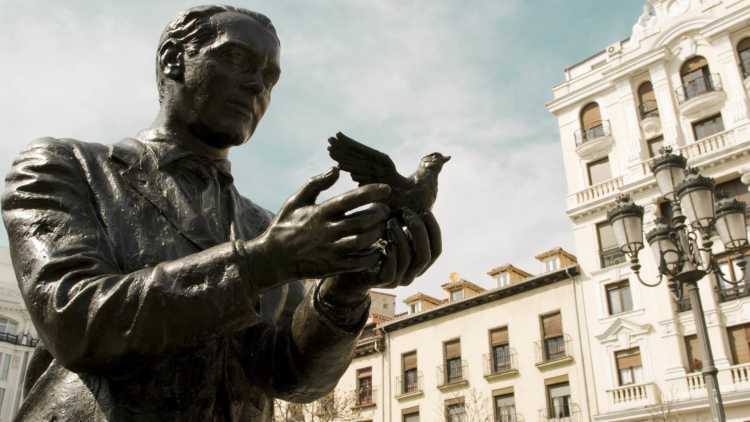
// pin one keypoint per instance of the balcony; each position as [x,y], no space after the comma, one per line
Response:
[408,388]
[507,414]
[450,377]
[610,257]
[650,121]
[599,191]
[500,367]
[553,351]
[633,396]
[595,142]
[727,293]
[701,97]
[567,414]
[364,397]
[22,340]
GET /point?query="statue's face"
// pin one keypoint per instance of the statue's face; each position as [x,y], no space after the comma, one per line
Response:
[228,83]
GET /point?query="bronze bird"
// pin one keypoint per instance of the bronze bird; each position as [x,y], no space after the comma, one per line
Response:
[367,165]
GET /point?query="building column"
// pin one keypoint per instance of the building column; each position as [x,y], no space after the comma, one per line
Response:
[627,131]
[668,113]
[728,67]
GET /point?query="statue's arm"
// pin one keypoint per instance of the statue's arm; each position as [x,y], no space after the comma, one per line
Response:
[89,313]
[302,357]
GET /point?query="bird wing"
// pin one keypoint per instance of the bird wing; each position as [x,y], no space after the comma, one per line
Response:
[366,165]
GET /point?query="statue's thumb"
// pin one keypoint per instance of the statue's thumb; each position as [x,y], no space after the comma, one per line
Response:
[315,186]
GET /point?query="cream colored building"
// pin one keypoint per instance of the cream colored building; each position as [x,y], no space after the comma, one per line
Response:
[680,79]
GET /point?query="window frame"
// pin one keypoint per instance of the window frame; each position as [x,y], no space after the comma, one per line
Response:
[595,162]
[694,126]
[450,377]
[633,378]
[568,404]
[618,285]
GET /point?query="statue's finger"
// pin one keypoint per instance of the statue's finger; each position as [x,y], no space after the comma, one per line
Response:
[420,245]
[436,238]
[309,193]
[401,247]
[349,201]
[358,243]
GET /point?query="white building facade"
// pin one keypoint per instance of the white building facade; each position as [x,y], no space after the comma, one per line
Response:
[679,80]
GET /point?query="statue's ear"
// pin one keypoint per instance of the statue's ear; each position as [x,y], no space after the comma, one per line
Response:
[171,60]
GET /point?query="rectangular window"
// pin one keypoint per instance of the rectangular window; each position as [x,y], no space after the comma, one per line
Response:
[457,295]
[609,251]
[707,127]
[654,145]
[364,386]
[553,340]
[411,378]
[694,353]
[503,280]
[599,171]
[558,400]
[500,350]
[739,341]
[455,411]
[414,308]
[618,297]
[453,366]
[734,189]
[552,264]
[505,408]
[411,417]
[629,367]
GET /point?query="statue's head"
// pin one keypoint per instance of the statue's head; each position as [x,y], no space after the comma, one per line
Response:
[215,69]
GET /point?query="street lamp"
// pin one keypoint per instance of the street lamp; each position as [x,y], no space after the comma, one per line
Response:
[682,246]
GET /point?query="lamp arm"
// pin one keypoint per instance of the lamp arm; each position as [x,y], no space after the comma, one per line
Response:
[716,270]
[635,266]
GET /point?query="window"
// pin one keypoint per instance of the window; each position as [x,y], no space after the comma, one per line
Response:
[739,342]
[505,408]
[558,400]
[500,350]
[743,50]
[411,417]
[453,369]
[503,280]
[457,295]
[609,252]
[599,171]
[735,189]
[694,353]
[364,386]
[696,77]
[552,334]
[414,308]
[654,145]
[707,127]
[666,212]
[411,378]
[618,297]
[455,411]
[647,100]
[629,367]
[8,326]
[591,122]
[552,264]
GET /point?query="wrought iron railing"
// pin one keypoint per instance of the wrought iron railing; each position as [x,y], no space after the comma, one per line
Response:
[23,340]
[612,256]
[450,375]
[409,385]
[648,109]
[727,293]
[698,86]
[552,348]
[365,396]
[599,129]
[567,413]
[500,363]
[506,414]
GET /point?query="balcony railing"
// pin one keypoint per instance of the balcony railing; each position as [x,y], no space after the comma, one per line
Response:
[727,293]
[21,340]
[695,381]
[365,396]
[494,364]
[740,374]
[567,414]
[648,109]
[552,349]
[506,414]
[697,87]
[458,374]
[409,386]
[600,129]
[628,396]
[683,304]
[610,257]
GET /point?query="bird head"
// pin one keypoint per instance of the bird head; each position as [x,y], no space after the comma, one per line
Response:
[433,162]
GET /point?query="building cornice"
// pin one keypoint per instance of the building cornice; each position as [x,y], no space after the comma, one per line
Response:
[483,298]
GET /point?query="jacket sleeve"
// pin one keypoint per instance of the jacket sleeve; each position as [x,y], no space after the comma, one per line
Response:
[301,358]
[89,314]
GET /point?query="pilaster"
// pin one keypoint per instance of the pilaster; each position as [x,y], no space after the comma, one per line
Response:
[737,106]
[670,121]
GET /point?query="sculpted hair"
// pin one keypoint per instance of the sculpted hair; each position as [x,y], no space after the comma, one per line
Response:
[193,29]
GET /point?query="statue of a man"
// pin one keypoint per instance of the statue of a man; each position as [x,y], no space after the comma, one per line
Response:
[160,293]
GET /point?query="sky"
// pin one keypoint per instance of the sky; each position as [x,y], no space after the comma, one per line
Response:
[468,79]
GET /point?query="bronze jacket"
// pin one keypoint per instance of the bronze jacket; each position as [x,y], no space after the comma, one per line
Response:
[145,317]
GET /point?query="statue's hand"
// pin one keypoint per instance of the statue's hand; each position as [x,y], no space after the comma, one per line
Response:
[309,240]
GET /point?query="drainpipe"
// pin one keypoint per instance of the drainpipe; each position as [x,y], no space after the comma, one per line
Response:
[580,346]
[386,361]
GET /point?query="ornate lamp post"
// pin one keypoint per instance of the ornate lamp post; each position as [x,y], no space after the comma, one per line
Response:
[682,246]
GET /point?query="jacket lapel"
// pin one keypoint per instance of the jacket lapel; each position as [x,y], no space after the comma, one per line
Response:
[141,174]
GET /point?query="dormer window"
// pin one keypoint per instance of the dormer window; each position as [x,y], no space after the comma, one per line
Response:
[414,308]
[552,264]
[503,280]
[457,295]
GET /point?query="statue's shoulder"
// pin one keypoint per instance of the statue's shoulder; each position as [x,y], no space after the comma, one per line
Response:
[60,149]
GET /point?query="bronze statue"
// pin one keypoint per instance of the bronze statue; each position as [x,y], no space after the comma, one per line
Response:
[160,293]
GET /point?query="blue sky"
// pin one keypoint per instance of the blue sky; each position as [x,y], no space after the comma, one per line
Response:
[408,78]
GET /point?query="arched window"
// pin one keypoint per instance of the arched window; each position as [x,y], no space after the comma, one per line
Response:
[743,50]
[696,77]
[647,100]
[591,122]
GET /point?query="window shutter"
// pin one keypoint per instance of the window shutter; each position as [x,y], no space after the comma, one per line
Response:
[410,361]
[630,358]
[499,336]
[364,373]
[590,116]
[739,337]
[552,325]
[453,350]
[744,44]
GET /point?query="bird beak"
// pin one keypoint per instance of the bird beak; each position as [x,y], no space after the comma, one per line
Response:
[446,158]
